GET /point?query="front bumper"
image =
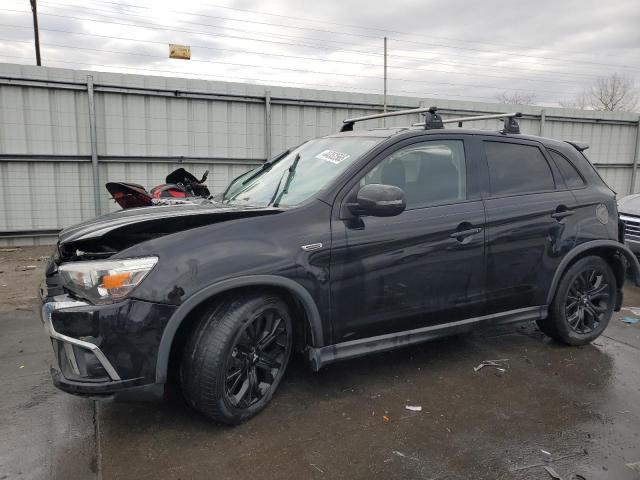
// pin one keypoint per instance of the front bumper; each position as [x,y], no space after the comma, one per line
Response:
[634,245]
[631,232]
[105,350]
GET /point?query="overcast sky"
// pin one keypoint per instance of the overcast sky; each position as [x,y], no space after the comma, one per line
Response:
[444,49]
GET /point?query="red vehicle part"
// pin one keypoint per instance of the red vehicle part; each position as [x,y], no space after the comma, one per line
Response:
[129,195]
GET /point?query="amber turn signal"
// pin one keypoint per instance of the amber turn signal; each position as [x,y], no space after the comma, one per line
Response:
[115,280]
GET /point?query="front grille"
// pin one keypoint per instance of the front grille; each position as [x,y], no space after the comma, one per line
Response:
[631,227]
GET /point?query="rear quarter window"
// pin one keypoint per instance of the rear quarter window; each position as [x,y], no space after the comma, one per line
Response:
[517,169]
[569,172]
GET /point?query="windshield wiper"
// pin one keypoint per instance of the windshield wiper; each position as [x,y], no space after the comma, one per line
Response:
[275,200]
[266,166]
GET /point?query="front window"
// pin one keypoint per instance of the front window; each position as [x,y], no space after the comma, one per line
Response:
[300,174]
[429,173]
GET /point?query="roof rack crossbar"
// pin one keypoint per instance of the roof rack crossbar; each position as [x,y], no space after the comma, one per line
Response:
[348,123]
[460,120]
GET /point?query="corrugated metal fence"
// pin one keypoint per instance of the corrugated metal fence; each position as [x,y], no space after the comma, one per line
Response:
[60,129]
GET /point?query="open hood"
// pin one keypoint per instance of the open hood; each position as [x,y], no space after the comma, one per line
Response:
[104,236]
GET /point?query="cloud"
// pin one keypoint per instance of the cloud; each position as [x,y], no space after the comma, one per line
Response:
[447,49]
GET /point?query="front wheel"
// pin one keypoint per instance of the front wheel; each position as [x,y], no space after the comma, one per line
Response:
[236,357]
[583,303]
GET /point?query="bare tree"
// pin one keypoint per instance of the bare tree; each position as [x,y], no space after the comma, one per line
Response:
[516,98]
[580,101]
[615,92]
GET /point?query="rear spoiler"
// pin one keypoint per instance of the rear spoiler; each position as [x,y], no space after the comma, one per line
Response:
[581,147]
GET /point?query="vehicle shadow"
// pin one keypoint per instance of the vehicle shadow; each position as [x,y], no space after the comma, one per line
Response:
[414,367]
[327,418]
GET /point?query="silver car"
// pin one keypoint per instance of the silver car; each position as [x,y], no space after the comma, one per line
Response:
[629,209]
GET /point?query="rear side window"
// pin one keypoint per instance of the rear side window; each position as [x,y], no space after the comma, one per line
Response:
[515,169]
[570,174]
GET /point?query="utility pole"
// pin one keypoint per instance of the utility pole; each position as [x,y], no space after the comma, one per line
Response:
[385,75]
[36,33]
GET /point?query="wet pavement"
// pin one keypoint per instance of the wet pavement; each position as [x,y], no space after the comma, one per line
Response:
[580,405]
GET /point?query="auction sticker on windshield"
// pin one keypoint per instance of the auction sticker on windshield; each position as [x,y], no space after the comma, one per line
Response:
[332,156]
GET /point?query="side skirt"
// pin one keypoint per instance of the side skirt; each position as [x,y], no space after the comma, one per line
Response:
[319,357]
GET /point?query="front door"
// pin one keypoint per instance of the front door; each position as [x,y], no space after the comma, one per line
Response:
[422,267]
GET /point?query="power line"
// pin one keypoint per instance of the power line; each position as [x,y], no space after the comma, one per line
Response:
[340,44]
[297,70]
[284,68]
[251,79]
[323,47]
[529,79]
[316,21]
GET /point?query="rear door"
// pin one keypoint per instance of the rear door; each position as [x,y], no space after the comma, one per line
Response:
[530,222]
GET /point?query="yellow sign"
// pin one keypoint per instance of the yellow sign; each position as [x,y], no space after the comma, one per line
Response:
[179,51]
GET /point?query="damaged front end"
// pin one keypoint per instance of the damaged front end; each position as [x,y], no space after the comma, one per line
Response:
[107,235]
[105,340]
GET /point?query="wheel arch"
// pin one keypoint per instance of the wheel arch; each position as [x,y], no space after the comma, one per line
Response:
[197,300]
[602,248]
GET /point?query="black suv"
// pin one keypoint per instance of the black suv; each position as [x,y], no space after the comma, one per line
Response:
[354,243]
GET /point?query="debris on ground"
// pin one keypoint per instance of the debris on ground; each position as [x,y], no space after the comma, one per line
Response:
[634,466]
[634,310]
[7,250]
[24,268]
[630,320]
[413,408]
[552,473]
[404,455]
[317,468]
[545,452]
[498,364]
[385,419]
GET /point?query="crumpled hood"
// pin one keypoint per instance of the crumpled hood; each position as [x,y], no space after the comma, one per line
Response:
[630,205]
[163,219]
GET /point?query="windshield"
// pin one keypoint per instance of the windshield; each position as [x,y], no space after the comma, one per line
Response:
[299,174]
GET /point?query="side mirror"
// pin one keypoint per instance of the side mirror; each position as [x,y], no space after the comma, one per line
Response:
[379,200]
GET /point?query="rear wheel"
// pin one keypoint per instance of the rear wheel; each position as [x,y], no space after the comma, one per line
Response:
[583,304]
[236,357]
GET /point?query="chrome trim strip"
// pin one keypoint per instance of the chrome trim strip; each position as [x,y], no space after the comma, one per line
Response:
[627,218]
[71,355]
[48,308]
[311,247]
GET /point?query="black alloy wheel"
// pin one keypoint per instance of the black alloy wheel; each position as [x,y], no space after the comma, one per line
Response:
[256,359]
[583,302]
[237,355]
[588,301]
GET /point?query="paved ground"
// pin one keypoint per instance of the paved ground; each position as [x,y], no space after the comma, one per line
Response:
[582,405]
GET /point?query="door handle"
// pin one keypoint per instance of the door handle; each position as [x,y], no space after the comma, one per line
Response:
[564,213]
[462,234]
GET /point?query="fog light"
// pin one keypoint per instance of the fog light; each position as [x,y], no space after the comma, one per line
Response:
[77,363]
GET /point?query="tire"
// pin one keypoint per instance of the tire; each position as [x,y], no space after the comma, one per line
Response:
[230,369]
[583,303]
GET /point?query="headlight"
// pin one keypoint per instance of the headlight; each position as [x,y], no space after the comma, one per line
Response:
[105,281]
